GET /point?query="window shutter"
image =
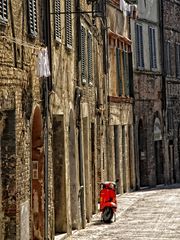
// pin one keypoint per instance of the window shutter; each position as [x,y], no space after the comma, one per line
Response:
[139,46]
[89,46]
[32,17]
[68,20]
[57,20]
[167,58]
[150,48]
[3,11]
[178,60]
[126,74]
[131,90]
[118,76]
[83,55]
[154,50]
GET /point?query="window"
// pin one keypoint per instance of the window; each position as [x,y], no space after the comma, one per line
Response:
[3,11]
[32,18]
[119,89]
[152,48]
[124,71]
[83,54]
[139,46]
[68,22]
[89,49]
[168,58]
[178,60]
[57,20]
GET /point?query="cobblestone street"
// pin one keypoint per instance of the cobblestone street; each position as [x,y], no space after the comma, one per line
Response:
[147,214]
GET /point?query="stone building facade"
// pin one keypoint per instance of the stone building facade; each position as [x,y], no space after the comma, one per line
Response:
[149,121]
[23,119]
[170,40]
[120,130]
[77,106]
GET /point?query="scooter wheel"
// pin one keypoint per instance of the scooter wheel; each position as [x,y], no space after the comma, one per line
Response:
[107,214]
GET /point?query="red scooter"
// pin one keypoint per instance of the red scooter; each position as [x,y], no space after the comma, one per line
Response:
[108,202]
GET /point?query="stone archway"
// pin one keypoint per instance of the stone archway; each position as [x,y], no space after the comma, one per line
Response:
[37,177]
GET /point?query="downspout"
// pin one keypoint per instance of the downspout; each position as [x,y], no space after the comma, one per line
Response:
[164,96]
[78,105]
[47,88]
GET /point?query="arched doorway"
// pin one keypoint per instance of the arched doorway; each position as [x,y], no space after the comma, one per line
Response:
[143,165]
[158,152]
[59,172]
[37,177]
[73,174]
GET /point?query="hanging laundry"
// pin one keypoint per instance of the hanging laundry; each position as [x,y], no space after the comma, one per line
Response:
[125,7]
[43,69]
[133,11]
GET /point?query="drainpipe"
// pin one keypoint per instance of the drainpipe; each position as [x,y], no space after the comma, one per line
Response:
[47,88]
[80,143]
[164,94]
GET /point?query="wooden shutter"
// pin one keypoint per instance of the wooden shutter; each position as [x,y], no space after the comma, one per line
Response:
[83,54]
[118,73]
[57,20]
[131,90]
[68,20]
[126,72]
[152,48]
[32,17]
[167,58]
[3,11]
[139,46]
[89,49]
[178,60]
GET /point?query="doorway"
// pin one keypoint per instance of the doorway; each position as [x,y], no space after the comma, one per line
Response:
[143,165]
[37,166]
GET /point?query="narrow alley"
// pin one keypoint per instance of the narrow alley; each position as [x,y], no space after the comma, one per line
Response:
[148,214]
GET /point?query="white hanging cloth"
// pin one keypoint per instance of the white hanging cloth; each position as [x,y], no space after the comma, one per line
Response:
[125,7]
[43,69]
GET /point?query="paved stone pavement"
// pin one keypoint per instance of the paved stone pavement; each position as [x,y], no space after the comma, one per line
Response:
[144,215]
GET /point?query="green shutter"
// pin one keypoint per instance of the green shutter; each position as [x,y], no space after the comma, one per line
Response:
[119,72]
[32,17]
[68,20]
[126,72]
[131,90]
[3,11]
[57,20]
